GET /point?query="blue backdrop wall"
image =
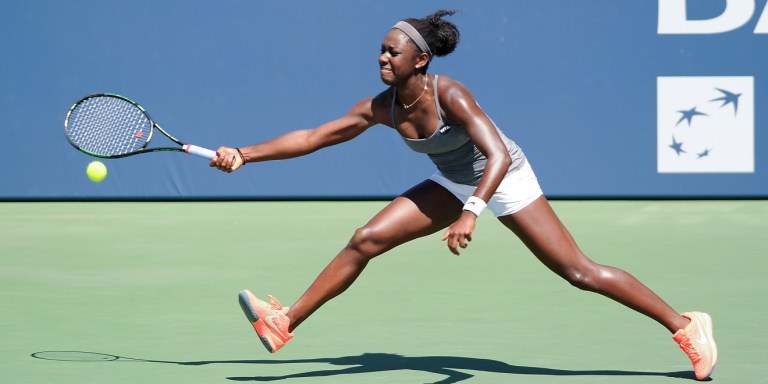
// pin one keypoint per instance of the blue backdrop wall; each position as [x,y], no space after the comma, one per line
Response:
[607,98]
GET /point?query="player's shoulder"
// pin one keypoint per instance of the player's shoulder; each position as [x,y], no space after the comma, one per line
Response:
[384,98]
[381,105]
[448,84]
[374,109]
[452,91]
[445,81]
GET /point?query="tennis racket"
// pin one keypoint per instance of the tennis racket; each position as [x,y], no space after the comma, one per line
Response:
[112,126]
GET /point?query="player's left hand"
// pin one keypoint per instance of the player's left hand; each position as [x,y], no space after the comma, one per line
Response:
[227,160]
[459,234]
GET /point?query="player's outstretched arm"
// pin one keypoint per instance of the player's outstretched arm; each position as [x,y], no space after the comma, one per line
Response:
[300,142]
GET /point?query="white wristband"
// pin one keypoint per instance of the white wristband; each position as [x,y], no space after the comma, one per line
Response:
[475,205]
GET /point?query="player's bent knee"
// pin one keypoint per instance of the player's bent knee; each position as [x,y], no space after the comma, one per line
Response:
[586,279]
[364,242]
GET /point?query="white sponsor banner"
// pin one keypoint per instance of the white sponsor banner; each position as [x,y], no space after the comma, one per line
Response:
[705,124]
[673,18]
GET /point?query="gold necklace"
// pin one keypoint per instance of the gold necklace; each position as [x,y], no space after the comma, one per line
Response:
[406,106]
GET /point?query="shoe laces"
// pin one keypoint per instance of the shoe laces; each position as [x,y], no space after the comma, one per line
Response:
[274,303]
[281,315]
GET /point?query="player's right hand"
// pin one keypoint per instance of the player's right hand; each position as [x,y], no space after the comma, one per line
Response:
[227,160]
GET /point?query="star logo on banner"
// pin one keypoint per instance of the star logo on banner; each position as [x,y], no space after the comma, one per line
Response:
[705,124]
[678,147]
[729,98]
[704,153]
[688,115]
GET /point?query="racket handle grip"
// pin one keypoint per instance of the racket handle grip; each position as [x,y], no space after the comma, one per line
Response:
[199,151]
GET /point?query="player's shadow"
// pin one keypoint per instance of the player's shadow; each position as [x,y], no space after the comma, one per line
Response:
[454,369]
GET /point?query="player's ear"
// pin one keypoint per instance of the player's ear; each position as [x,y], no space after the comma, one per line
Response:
[422,60]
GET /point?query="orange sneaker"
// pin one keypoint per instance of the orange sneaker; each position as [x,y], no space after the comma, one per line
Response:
[697,341]
[269,320]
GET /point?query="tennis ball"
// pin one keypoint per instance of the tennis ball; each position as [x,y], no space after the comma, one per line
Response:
[96,171]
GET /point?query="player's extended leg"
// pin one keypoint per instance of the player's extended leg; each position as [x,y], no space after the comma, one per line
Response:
[543,233]
[422,210]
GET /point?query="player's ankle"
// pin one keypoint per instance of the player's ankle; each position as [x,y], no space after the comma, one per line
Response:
[682,322]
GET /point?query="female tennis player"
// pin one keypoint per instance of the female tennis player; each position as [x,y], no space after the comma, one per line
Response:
[478,167]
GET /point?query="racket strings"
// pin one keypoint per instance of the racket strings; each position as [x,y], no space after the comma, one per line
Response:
[108,126]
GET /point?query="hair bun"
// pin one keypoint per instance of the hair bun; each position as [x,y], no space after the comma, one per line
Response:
[437,17]
[441,35]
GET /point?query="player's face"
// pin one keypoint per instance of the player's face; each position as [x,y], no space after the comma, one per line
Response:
[398,57]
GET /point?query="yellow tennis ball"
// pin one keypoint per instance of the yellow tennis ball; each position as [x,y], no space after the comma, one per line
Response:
[96,171]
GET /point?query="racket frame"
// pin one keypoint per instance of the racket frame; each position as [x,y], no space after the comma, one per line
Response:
[187,148]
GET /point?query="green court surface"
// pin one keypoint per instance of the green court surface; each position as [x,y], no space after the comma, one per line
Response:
[156,283]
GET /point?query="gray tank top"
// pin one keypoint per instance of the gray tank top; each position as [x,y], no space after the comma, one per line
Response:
[452,151]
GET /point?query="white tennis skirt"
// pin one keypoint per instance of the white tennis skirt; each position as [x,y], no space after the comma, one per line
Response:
[518,189]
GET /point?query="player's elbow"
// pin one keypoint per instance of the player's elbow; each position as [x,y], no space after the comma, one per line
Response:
[312,141]
[500,159]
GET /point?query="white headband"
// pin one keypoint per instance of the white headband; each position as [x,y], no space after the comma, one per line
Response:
[411,32]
